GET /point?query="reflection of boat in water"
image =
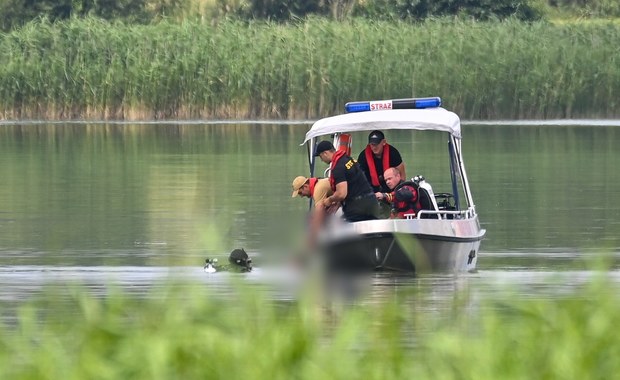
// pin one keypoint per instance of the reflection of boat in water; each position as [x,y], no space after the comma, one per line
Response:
[445,236]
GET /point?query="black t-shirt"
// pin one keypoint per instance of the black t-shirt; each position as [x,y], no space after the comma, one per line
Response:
[346,169]
[395,160]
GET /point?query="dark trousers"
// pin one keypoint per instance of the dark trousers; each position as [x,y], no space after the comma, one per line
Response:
[364,207]
[385,209]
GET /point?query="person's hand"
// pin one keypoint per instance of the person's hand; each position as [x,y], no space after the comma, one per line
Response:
[333,208]
[379,195]
[326,203]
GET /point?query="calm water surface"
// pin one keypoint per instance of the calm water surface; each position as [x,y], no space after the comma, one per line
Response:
[136,205]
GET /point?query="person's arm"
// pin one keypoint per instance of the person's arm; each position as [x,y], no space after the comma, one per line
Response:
[396,161]
[316,221]
[388,197]
[339,195]
[361,160]
[321,191]
[401,169]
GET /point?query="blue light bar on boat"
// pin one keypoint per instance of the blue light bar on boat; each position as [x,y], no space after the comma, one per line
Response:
[396,104]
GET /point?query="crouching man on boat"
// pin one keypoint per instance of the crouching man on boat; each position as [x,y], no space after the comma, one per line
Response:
[349,184]
[318,189]
[315,188]
[404,196]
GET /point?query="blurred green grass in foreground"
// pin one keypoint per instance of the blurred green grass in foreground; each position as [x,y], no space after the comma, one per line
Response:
[182,331]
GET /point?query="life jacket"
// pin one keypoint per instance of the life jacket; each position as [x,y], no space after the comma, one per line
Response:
[410,206]
[344,143]
[370,160]
[312,184]
[337,156]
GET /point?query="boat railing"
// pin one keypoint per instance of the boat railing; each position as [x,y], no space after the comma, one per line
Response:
[443,214]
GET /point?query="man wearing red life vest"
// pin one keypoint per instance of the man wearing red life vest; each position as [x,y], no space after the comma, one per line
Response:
[349,184]
[404,196]
[318,189]
[315,188]
[376,158]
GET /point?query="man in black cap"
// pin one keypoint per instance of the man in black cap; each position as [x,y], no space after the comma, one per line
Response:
[376,158]
[348,183]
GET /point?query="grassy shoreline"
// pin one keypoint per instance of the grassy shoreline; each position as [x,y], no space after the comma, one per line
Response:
[90,69]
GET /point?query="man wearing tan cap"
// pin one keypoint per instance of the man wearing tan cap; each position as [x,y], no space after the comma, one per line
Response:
[317,188]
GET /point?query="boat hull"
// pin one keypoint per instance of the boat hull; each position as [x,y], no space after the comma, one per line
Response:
[420,246]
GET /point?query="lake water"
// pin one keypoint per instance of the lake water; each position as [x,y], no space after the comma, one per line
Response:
[137,204]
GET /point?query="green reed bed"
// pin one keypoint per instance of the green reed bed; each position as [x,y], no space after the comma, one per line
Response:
[94,69]
[179,333]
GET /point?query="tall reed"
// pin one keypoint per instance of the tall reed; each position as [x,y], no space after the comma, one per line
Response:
[93,69]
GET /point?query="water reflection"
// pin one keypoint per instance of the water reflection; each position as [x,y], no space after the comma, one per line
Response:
[441,296]
[163,194]
[136,205]
[20,282]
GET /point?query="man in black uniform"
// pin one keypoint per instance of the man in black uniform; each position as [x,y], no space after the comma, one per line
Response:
[349,184]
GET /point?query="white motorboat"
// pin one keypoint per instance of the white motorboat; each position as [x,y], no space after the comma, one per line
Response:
[445,237]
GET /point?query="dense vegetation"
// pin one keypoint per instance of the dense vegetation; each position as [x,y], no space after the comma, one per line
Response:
[18,12]
[185,333]
[145,59]
[95,69]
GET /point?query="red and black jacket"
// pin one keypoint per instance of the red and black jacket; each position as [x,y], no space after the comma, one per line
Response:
[405,199]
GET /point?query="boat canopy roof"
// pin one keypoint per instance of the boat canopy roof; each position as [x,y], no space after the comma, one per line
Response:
[437,119]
